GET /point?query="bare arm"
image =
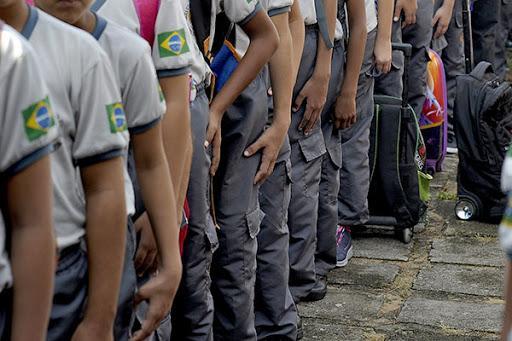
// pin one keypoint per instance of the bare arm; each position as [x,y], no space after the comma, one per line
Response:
[315,89]
[30,205]
[382,50]
[158,194]
[442,18]
[263,43]
[345,111]
[297,31]
[106,236]
[177,135]
[281,76]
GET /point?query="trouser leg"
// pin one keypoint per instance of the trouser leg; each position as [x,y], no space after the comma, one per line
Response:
[275,310]
[485,18]
[192,314]
[238,216]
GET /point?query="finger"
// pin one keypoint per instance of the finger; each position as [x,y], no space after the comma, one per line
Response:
[253,148]
[387,69]
[379,67]
[269,92]
[306,117]
[148,327]
[298,102]
[262,171]
[216,153]
[435,19]
[312,121]
[210,133]
[398,11]
[140,256]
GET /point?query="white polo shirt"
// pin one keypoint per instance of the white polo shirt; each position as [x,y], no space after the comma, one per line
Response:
[28,128]
[307,7]
[86,100]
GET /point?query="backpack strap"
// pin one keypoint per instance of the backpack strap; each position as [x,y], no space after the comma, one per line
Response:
[322,23]
[482,69]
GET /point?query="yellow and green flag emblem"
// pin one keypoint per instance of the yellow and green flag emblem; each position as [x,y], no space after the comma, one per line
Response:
[38,119]
[116,118]
[172,44]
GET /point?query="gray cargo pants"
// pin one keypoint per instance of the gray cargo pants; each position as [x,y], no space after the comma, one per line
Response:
[355,170]
[192,313]
[238,215]
[306,152]
[504,27]
[485,18]
[325,255]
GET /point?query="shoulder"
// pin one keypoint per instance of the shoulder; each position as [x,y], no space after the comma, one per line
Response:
[127,42]
[14,49]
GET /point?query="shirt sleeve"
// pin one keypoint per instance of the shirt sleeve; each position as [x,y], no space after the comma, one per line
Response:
[172,54]
[143,101]
[276,7]
[28,127]
[101,127]
[240,11]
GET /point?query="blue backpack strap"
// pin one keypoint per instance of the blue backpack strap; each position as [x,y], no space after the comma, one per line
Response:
[322,23]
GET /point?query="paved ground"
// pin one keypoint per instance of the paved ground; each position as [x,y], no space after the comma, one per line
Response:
[445,285]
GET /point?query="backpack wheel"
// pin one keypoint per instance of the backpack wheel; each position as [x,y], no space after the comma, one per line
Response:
[405,235]
[466,208]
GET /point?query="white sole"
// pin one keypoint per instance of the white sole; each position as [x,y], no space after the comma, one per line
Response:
[452,150]
[343,263]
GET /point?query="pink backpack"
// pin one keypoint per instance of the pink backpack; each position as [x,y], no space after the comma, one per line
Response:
[147,11]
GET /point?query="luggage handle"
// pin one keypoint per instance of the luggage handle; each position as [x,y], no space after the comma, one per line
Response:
[481,69]
[468,37]
[406,49]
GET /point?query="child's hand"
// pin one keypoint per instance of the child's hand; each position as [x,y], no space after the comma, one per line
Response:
[213,138]
[383,56]
[409,7]
[270,142]
[91,330]
[159,292]
[345,112]
[146,257]
[442,19]
[314,93]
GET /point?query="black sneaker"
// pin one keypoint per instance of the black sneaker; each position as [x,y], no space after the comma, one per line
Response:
[319,290]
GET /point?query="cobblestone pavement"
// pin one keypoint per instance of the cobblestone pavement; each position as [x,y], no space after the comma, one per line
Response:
[445,285]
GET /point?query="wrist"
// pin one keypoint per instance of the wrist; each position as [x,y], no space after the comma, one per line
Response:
[103,323]
[281,121]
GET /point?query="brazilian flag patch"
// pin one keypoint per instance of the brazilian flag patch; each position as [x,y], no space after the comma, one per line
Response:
[160,93]
[172,44]
[38,119]
[116,118]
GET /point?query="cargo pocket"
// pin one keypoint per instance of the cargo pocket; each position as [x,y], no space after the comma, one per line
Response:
[313,146]
[253,220]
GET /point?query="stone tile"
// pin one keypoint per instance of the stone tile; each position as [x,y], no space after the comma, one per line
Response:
[382,248]
[361,272]
[458,227]
[482,281]
[320,331]
[452,314]
[409,332]
[343,305]
[470,251]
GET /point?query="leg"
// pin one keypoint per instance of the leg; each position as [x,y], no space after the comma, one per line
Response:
[238,216]
[275,311]
[485,17]
[419,36]
[192,313]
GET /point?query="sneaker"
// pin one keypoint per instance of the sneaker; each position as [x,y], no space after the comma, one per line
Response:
[343,246]
[452,145]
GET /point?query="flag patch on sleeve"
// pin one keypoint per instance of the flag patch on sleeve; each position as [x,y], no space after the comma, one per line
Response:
[38,118]
[172,44]
[116,118]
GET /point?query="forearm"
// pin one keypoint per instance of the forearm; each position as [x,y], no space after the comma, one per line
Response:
[159,195]
[32,254]
[356,47]
[385,15]
[264,41]
[177,135]
[281,73]
[106,237]
[297,30]
[449,4]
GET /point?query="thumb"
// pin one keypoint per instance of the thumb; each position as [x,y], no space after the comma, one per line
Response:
[210,133]
[253,148]
[398,11]
[436,19]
